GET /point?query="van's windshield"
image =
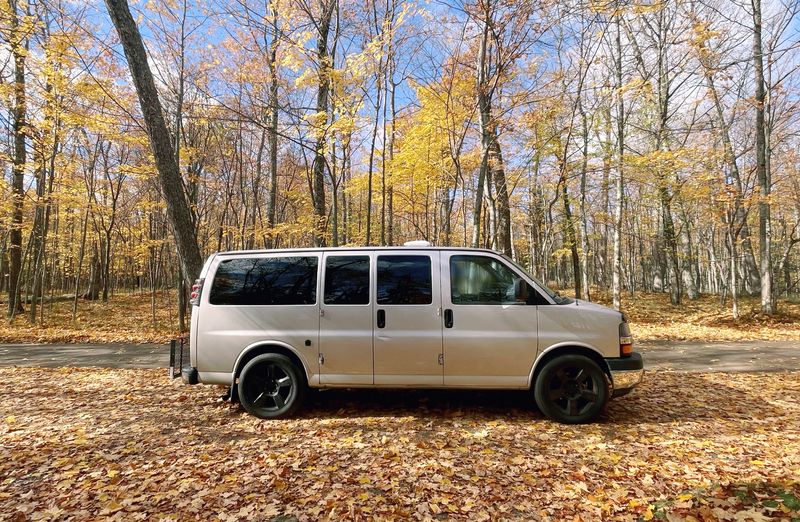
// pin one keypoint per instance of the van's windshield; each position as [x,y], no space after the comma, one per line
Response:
[555,296]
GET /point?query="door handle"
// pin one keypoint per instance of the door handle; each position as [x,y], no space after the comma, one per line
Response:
[381,318]
[448,318]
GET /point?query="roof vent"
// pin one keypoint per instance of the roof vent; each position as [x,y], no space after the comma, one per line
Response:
[419,243]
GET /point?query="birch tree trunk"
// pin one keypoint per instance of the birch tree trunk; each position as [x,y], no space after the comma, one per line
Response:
[616,283]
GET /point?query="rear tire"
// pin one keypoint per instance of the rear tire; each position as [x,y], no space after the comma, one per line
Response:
[571,389]
[271,387]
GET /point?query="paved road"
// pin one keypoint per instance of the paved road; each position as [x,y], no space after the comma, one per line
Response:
[110,355]
[679,356]
[740,356]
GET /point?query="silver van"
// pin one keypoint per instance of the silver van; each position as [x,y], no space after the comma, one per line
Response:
[272,323]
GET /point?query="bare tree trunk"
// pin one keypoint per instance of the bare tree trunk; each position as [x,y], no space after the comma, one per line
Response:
[664,177]
[95,271]
[608,160]
[323,25]
[751,271]
[345,180]
[372,161]
[390,236]
[570,236]
[620,184]
[19,50]
[670,245]
[690,282]
[107,264]
[734,284]
[43,208]
[503,214]
[37,236]
[584,217]
[272,128]
[492,159]
[764,224]
[481,84]
[183,227]
[81,254]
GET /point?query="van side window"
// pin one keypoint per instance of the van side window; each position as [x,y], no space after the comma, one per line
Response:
[404,280]
[486,281]
[347,280]
[265,281]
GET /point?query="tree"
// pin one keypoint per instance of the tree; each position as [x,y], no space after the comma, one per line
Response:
[620,179]
[16,35]
[321,17]
[764,224]
[492,169]
[183,228]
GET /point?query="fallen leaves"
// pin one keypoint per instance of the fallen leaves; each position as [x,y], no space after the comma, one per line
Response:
[129,444]
[126,318]
[705,319]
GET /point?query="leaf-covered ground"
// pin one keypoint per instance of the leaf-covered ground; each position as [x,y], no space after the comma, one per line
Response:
[705,319]
[126,318]
[129,444]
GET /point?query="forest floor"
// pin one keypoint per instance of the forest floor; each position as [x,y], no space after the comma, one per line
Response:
[131,445]
[652,317]
[128,318]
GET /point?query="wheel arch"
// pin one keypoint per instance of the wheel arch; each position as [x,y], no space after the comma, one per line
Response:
[569,348]
[265,347]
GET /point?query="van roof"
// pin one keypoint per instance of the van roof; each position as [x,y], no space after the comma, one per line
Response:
[348,248]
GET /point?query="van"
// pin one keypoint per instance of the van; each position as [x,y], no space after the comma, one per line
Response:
[271,324]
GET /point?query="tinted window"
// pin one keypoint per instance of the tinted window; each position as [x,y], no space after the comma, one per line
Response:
[485,280]
[265,281]
[404,280]
[347,280]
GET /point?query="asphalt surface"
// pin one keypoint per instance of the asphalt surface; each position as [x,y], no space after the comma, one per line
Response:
[739,356]
[742,356]
[109,355]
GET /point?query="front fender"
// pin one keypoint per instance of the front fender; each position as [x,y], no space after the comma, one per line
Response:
[564,347]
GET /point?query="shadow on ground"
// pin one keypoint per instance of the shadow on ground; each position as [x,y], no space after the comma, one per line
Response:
[661,398]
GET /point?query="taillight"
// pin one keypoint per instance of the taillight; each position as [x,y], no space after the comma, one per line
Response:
[197,287]
[625,338]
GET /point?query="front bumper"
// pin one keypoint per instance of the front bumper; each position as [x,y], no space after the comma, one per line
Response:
[626,373]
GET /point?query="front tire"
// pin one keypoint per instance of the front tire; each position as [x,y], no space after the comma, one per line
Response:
[271,387]
[571,389]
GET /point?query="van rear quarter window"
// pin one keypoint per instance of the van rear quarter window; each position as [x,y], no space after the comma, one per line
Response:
[265,281]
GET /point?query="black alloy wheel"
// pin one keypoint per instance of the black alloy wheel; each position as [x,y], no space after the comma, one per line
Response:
[571,389]
[271,387]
